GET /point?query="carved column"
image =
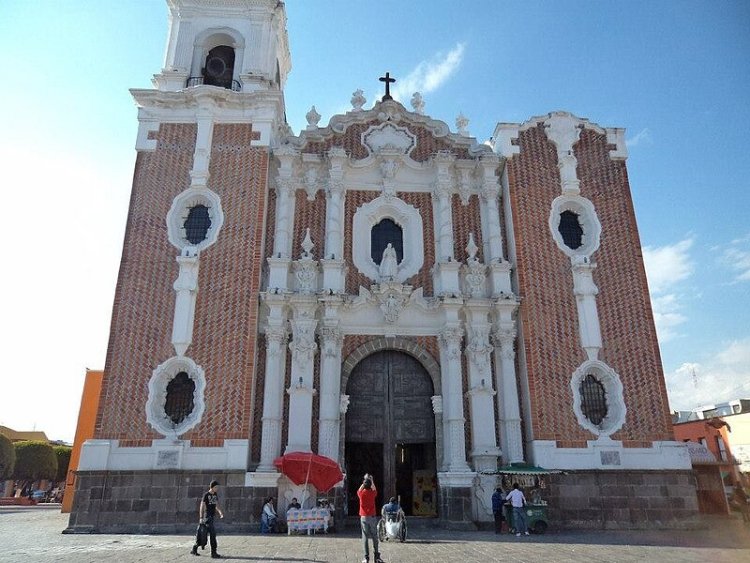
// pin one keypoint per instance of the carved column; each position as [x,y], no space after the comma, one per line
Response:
[301,390]
[286,184]
[186,286]
[330,389]
[504,339]
[484,442]
[454,449]
[273,396]
[490,191]
[437,409]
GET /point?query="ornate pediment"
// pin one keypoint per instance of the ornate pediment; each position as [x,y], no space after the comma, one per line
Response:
[390,138]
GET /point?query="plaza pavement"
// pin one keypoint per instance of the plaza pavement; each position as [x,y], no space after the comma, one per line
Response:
[33,535]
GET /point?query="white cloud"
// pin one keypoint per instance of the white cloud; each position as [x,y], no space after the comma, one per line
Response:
[667,265]
[643,137]
[723,377]
[737,257]
[429,75]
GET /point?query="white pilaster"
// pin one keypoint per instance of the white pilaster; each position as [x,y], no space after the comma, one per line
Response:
[301,389]
[334,267]
[454,449]
[484,451]
[585,291]
[273,390]
[330,389]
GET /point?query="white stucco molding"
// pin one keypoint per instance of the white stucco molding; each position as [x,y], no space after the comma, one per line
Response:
[607,454]
[588,220]
[616,409]
[157,396]
[388,136]
[506,133]
[403,214]
[98,455]
[179,211]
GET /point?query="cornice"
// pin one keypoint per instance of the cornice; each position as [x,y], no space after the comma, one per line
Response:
[205,96]
[188,8]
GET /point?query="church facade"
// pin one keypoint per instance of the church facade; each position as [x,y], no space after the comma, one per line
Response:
[379,290]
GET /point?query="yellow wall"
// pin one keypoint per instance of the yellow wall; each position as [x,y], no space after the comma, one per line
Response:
[739,439]
[92,387]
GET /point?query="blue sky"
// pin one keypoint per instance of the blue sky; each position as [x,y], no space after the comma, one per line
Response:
[676,75]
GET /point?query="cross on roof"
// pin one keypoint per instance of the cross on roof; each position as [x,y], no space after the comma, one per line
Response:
[388,80]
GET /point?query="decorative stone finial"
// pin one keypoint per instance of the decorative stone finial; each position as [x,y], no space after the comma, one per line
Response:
[312,117]
[461,123]
[471,248]
[358,100]
[417,102]
[307,245]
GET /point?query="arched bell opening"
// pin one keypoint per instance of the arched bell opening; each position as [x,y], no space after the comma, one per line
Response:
[218,69]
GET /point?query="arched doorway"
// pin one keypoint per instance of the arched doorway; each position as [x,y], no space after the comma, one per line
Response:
[390,431]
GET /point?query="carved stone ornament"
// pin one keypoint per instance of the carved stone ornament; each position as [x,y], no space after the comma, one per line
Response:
[358,100]
[344,404]
[464,184]
[276,337]
[312,117]
[388,136]
[450,340]
[504,338]
[478,349]
[332,339]
[392,298]
[417,102]
[303,346]
[475,273]
[311,182]
[437,404]
[306,268]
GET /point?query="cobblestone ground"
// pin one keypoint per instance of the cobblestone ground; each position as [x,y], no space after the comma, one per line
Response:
[33,534]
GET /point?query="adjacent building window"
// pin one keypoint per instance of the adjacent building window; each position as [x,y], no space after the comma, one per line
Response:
[593,399]
[722,448]
[197,224]
[386,231]
[570,229]
[179,403]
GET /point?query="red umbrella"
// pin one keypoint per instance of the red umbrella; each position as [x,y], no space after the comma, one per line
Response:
[306,467]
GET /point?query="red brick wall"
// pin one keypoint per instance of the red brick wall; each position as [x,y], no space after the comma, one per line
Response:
[466,219]
[548,308]
[225,329]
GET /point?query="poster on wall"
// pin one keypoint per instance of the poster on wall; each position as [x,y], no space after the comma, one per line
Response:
[425,493]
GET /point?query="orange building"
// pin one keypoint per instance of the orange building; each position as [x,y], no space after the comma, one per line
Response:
[92,388]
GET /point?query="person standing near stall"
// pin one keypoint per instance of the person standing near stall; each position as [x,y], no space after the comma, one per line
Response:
[518,501]
[498,502]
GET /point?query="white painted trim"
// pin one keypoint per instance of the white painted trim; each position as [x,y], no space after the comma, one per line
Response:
[663,455]
[157,396]
[456,479]
[616,409]
[178,213]
[410,221]
[98,455]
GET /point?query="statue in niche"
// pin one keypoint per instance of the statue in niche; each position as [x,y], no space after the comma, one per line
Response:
[388,264]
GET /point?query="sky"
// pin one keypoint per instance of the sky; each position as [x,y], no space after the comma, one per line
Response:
[675,75]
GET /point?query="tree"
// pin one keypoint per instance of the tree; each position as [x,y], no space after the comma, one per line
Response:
[63,461]
[35,460]
[7,458]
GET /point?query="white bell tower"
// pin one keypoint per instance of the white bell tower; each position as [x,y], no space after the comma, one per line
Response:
[240,45]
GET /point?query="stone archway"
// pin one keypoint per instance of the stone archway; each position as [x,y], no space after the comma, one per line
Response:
[390,430]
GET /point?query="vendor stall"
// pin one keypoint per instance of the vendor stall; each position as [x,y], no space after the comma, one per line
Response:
[533,482]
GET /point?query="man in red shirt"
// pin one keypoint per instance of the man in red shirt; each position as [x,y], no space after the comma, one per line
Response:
[368,517]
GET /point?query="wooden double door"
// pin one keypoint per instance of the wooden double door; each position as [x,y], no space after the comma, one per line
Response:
[390,429]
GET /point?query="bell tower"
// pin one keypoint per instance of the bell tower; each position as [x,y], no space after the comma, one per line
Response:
[177,391]
[241,45]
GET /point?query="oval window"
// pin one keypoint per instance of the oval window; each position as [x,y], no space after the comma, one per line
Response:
[179,401]
[570,229]
[197,224]
[593,399]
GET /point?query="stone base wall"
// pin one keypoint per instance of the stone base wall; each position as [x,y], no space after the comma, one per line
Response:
[622,500]
[454,508]
[161,502]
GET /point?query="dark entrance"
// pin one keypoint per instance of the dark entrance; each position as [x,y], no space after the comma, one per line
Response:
[390,431]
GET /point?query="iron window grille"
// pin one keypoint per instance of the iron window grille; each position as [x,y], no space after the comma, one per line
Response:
[197,224]
[593,399]
[179,402]
[387,231]
[570,229]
